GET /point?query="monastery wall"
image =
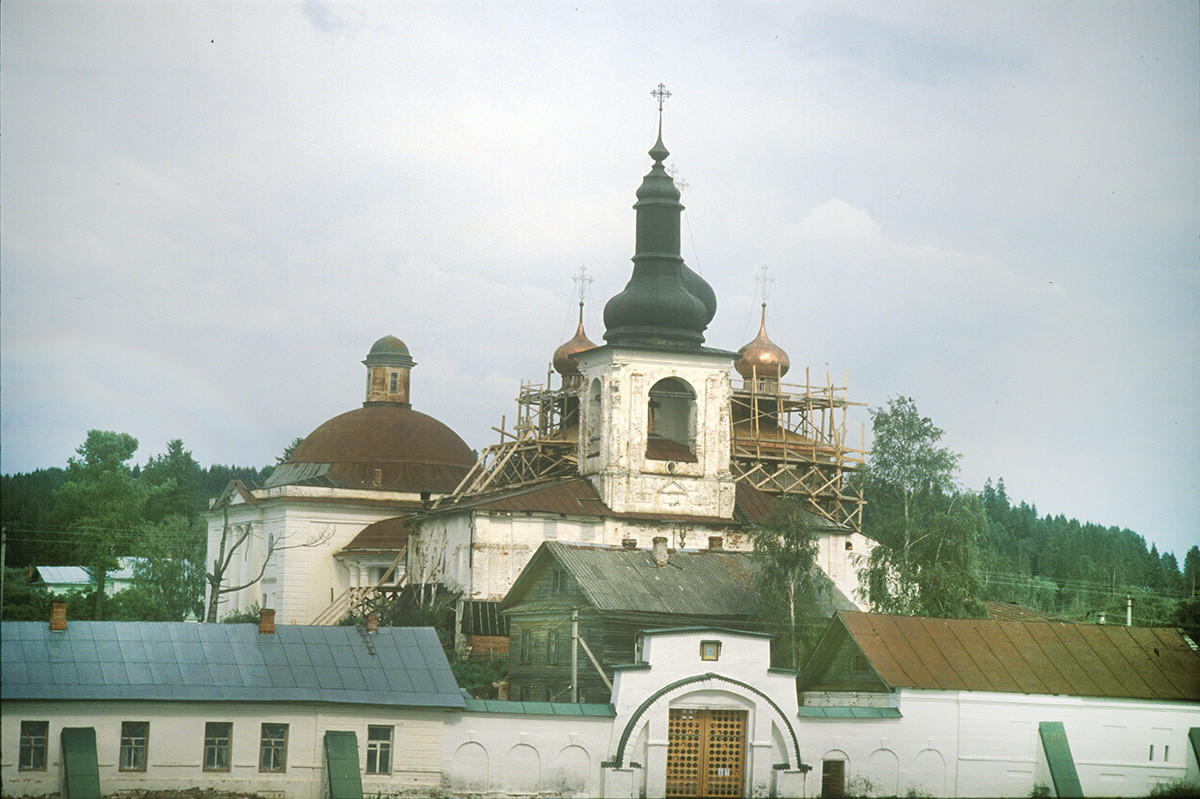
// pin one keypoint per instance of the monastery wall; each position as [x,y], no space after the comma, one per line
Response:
[950,743]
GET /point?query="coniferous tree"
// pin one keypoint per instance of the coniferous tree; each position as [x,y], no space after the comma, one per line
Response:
[101,504]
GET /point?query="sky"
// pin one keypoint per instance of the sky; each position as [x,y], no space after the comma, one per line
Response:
[209,211]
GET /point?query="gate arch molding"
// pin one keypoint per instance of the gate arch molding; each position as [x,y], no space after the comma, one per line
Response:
[710,681]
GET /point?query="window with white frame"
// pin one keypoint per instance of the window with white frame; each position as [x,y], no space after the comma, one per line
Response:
[134,738]
[32,755]
[217,735]
[379,749]
[272,752]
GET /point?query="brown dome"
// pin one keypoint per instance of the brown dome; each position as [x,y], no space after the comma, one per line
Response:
[564,364]
[762,357]
[388,446]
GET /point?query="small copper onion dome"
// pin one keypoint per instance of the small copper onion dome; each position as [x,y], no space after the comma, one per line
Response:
[762,357]
[564,364]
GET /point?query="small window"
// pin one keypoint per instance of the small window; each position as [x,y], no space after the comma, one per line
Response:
[134,735]
[558,581]
[710,650]
[32,756]
[379,749]
[395,377]
[272,753]
[526,646]
[833,778]
[552,647]
[217,735]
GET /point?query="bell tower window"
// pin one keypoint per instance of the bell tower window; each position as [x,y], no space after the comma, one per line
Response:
[671,421]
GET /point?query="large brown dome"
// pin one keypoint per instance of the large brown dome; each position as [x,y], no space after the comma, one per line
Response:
[386,446]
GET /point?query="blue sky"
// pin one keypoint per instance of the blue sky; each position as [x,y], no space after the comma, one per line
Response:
[210,212]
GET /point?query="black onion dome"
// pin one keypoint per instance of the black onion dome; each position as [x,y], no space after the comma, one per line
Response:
[657,307]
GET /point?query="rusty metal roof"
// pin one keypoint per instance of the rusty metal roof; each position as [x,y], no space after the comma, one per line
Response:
[573,497]
[753,506]
[1055,658]
[577,496]
[386,446]
[389,535]
[1010,611]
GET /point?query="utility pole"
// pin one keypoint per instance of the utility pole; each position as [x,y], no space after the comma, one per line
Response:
[3,565]
[574,656]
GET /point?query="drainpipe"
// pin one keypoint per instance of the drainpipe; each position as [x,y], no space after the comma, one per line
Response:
[574,656]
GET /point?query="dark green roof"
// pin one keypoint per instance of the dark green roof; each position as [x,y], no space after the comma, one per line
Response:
[400,666]
[540,708]
[389,350]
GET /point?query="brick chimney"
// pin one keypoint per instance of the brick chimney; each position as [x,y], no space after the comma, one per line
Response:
[629,543]
[660,550]
[716,542]
[58,617]
[372,623]
[266,621]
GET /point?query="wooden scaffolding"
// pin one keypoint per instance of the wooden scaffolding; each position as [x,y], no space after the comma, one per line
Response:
[792,439]
[787,439]
[541,445]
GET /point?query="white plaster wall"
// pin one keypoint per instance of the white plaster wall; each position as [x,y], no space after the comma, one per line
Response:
[520,753]
[175,748]
[625,479]
[842,564]
[961,744]
[739,679]
[299,580]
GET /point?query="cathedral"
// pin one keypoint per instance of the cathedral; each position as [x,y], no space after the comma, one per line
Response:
[647,436]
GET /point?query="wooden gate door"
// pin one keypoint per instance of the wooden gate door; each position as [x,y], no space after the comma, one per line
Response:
[706,752]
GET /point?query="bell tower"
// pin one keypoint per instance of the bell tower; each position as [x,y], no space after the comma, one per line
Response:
[655,403]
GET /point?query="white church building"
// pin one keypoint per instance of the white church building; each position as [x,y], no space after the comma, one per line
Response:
[648,435]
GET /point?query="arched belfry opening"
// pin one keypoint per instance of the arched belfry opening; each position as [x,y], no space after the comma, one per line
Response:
[671,421]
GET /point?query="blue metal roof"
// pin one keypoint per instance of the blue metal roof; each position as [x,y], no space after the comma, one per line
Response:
[403,666]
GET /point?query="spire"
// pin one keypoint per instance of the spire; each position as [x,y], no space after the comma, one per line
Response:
[664,304]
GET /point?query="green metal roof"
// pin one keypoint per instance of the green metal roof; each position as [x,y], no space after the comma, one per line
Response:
[540,708]
[399,666]
[848,712]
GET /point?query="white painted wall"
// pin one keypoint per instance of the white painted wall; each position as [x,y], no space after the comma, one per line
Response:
[520,753]
[300,581]
[625,479]
[739,679]
[952,743]
[175,749]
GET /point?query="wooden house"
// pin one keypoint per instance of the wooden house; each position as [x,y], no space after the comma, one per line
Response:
[608,595]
